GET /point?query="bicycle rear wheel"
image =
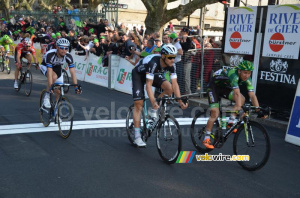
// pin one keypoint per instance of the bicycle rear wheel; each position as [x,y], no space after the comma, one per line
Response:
[45,113]
[66,80]
[1,66]
[198,131]
[168,139]
[28,83]
[257,147]
[130,125]
[64,117]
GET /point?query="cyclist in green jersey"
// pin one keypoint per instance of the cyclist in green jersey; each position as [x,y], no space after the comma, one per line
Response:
[5,42]
[225,83]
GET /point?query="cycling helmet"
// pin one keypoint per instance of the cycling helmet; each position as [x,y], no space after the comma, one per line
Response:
[5,37]
[63,42]
[168,50]
[246,65]
[27,42]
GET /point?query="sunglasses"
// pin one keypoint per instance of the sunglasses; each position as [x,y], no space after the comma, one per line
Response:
[171,57]
[63,48]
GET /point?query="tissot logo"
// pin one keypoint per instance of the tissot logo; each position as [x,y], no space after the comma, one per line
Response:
[277,73]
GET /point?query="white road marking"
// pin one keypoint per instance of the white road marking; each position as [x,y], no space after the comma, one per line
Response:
[77,125]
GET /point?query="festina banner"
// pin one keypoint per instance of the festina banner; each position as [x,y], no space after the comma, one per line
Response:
[240,30]
[282,32]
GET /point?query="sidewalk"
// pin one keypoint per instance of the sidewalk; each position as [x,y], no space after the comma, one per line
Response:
[203,102]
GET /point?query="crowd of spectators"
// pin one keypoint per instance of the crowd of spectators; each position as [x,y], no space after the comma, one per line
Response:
[104,38]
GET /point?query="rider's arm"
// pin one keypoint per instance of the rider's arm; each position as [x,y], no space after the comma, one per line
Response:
[253,99]
[73,75]
[176,91]
[70,62]
[238,98]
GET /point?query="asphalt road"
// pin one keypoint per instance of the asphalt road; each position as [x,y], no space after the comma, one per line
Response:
[101,162]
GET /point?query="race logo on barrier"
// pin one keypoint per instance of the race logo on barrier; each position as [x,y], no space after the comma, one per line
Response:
[122,76]
[278,73]
[282,32]
[240,30]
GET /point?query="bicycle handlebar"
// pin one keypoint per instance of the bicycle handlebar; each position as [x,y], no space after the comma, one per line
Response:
[265,110]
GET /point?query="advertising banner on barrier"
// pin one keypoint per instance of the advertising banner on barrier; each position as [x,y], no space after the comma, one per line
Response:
[123,82]
[293,131]
[240,30]
[80,66]
[95,72]
[282,32]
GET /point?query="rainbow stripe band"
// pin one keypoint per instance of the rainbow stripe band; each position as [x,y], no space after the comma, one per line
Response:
[186,157]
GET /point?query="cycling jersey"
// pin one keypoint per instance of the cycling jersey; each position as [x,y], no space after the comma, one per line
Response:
[4,44]
[149,68]
[51,60]
[222,84]
[151,65]
[230,78]
[22,49]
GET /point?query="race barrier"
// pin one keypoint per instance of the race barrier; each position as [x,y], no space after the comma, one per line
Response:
[293,131]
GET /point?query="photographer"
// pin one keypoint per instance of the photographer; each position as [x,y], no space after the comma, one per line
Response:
[133,58]
[127,42]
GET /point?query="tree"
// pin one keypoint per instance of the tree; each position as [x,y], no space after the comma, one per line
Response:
[48,6]
[158,15]
[24,4]
[5,6]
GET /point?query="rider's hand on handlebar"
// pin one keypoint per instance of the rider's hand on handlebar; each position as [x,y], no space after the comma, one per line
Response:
[78,89]
[183,105]
[155,105]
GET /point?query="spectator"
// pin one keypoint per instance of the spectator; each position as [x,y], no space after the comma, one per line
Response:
[141,32]
[96,49]
[166,39]
[175,41]
[186,44]
[133,58]
[127,42]
[158,43]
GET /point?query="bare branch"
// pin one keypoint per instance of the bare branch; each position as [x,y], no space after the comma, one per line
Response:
[184,10]
[44,5]
[148,5]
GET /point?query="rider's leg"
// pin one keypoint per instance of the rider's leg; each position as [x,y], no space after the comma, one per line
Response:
[138,106]
[29,59]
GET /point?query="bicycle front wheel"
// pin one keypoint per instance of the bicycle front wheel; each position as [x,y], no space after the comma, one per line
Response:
[45,113]
[28,83]
[130,125]
[198,131]
[168,139]
[254,142]
[64,117]
[66,80]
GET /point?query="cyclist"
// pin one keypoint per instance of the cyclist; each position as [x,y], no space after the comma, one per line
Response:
[23,50]
[5,42]
[52,68]
[149,71]
[225,83]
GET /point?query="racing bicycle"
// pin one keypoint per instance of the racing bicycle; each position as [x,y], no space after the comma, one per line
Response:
[250,137]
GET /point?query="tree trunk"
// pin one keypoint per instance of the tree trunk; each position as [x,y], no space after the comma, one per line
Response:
[5,5]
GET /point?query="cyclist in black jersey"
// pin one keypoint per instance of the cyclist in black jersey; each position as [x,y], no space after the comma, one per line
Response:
[149,71]
[52,67]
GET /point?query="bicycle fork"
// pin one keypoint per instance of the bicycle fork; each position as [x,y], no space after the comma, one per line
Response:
[249,133]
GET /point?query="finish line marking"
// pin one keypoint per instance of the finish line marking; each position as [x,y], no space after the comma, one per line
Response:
[78,125]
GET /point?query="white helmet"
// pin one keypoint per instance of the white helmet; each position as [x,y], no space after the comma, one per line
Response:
[63,42]
[27,41]
[168,49]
